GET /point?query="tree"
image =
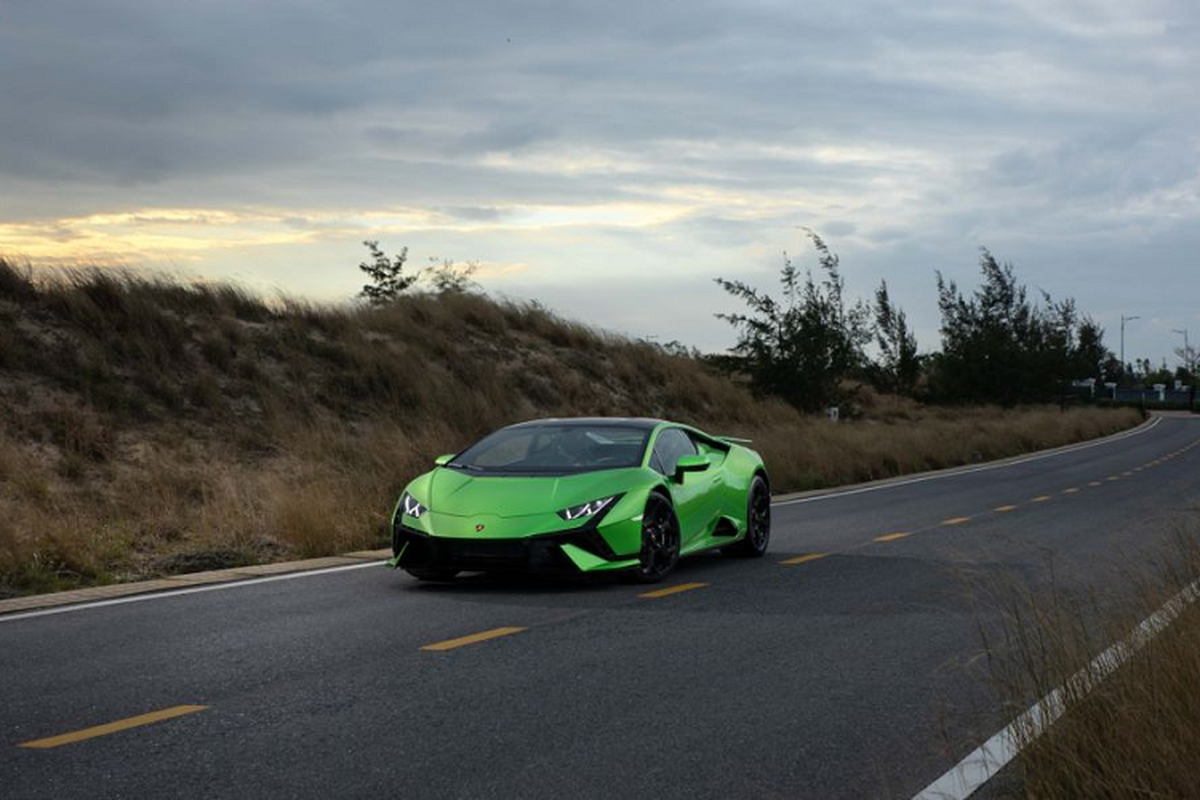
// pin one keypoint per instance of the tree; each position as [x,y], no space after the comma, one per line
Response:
[387,276]
[998,346]
[1160,374]
[898,367]
[1091,359]
[982,335]
[1190,357]
[801,346]
[1113,371]
[449,277]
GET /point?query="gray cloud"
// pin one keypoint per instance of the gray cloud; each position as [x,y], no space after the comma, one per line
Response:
[1064,135]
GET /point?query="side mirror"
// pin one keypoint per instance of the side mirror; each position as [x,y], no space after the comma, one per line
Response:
[688,464]
[442,461]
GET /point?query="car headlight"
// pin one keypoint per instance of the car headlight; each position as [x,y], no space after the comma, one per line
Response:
[410,506]
[588,509]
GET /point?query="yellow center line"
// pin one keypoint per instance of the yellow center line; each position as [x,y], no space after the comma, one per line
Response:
[1041,498]
[1004,509]
[462,641]
[956,520]
[670,590]
[891,537]
[804,559]
[111,727]
[1071,490]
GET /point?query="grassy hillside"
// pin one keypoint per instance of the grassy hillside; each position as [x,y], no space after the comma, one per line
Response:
[149,427]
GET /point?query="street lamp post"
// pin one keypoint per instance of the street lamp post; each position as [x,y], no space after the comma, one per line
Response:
[1124,319]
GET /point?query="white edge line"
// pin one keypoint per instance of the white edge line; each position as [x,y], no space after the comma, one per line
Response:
[982,764]
[1145,428]
[212,587]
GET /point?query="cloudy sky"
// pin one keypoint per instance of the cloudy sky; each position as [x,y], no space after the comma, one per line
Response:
[612,158]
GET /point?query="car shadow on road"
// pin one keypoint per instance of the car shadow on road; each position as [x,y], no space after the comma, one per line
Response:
[511,587]
[839,585]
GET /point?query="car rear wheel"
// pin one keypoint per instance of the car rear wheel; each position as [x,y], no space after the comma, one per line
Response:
[758,522]
[436,575]
[660,541]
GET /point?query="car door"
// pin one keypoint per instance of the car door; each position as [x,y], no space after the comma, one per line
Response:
[695,502]
[717,490]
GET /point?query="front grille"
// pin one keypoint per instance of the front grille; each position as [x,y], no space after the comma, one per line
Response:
[536,553]
[499,551]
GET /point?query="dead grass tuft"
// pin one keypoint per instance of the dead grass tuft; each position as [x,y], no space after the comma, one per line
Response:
[1128,732]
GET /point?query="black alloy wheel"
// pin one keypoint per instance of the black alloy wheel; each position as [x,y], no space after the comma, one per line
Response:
[758,522]
[660,540]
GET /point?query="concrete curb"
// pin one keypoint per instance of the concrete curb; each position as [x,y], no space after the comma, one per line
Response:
[40,601]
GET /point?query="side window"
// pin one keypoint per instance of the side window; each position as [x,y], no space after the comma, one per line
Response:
[706,449]
[671,445]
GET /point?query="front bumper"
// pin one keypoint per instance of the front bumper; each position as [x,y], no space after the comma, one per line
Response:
[565,552]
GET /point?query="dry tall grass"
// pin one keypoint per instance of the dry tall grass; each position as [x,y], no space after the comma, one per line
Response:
[1128,726]
[149,427]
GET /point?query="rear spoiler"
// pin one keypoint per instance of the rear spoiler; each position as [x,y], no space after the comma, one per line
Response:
[734,440]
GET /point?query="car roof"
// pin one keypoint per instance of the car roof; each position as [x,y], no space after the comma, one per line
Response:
[644,423]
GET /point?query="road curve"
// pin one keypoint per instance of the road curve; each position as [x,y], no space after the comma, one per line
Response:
[846,664]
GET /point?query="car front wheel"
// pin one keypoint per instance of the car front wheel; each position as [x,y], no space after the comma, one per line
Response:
[660,540]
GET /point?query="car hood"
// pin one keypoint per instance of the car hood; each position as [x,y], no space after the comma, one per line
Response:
[456,493]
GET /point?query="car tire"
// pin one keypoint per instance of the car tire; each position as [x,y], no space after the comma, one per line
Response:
[758,523]
[433,574]
[660,541]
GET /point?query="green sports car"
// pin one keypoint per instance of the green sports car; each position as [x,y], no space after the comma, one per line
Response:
[580,496]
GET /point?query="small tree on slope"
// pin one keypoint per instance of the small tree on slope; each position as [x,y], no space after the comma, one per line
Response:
[387,276]
[899,366]
[802,346]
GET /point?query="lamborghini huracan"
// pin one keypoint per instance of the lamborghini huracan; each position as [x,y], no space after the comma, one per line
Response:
[583,495]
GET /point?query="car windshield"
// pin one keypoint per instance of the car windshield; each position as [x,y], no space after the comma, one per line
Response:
[554,448]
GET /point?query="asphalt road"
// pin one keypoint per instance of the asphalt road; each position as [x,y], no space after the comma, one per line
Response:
[853,674]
